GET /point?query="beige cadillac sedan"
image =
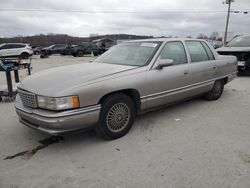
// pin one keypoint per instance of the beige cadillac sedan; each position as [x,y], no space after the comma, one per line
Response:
[129,79]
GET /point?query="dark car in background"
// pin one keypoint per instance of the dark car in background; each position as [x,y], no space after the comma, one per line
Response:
[67,50]
[54,49]
[216,44]
[87,48]
[239,47]
[36,50]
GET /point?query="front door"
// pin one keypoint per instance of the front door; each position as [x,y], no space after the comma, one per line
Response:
[167,84]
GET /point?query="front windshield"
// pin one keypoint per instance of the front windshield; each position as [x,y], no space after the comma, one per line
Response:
[241,41]
[129,53]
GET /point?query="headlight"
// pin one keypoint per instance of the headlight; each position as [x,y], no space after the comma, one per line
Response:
[60,103]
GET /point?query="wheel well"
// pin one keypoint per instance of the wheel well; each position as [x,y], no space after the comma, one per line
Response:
[225,80]
[132,93]
[26,53]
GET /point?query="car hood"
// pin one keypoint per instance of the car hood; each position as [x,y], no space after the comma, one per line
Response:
[53,82]
[233,49]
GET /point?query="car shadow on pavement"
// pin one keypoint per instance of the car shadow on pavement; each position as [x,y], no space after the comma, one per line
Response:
[244,74]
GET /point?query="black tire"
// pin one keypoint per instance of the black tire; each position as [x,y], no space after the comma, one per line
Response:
[49,52]
[1,98]
[116,117]
[24,55]
[80,54]
[217,90]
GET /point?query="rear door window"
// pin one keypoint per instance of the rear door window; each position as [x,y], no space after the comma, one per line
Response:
[18,45]
[208,50]
[197,51]
[8,46]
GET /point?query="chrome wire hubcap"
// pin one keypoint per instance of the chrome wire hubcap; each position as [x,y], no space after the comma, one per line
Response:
[118,117]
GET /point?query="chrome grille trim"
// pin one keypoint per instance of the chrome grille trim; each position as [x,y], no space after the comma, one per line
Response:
[28,98]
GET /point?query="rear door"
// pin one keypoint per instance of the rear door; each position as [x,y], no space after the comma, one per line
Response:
[203,64]
[16,49]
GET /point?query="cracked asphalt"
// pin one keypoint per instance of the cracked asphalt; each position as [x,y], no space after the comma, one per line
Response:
[195,144]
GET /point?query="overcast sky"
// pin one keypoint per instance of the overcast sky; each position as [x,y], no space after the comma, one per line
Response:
[141,17]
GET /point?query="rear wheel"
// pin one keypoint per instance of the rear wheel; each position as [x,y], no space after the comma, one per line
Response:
[24,55]
[217,90]
[116,117]
[80,53]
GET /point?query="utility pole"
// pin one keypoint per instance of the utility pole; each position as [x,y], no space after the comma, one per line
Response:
[228,15]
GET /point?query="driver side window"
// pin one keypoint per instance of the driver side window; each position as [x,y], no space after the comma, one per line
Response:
[174,51]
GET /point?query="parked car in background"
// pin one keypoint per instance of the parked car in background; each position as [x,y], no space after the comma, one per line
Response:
[216,44]
[104,42]
[68,50]
[36,50]
[129,79]
[54,49]
[20,50]
[87,48]
[239,47]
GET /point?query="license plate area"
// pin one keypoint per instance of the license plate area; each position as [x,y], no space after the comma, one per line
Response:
[241,63]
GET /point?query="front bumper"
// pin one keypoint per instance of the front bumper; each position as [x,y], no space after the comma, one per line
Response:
[57,122]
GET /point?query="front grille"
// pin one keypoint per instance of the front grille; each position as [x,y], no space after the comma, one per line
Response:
[28,99]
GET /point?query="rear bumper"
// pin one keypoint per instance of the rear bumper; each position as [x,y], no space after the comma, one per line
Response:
[232,76]
[57,122]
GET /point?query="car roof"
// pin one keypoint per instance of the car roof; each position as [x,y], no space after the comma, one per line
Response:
[14,43]
[165,40]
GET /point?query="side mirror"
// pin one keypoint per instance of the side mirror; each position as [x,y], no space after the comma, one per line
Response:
[164,63]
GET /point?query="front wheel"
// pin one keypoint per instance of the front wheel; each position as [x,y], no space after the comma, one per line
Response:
[116,117]
[80,54]
[217,90]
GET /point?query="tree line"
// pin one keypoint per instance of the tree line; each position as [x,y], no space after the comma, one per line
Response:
[49,39]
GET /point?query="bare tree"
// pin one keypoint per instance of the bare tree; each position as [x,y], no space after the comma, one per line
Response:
[202,36]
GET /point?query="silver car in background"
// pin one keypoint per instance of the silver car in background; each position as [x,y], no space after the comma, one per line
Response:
[129,79]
